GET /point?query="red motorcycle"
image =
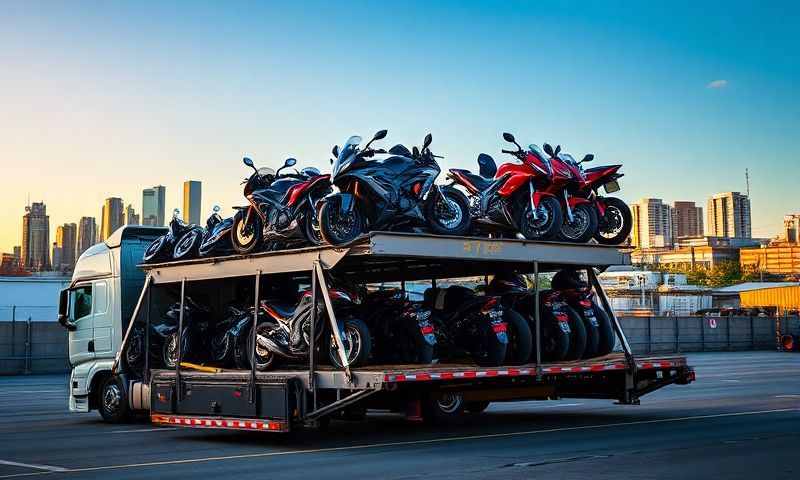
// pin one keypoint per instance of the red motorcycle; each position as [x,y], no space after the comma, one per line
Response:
[515,197]
[580,213]
[614,216]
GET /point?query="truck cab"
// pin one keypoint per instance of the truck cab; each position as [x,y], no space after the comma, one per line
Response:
[96,309]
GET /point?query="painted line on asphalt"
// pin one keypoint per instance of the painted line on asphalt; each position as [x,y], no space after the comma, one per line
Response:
[15,392]
[729,380]
[563,405]
[403,443]
[139,430]
[47,468]
[792,395]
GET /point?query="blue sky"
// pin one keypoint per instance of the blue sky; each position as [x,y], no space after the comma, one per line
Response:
[107,98]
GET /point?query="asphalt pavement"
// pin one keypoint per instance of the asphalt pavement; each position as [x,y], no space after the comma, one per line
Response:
[741,419]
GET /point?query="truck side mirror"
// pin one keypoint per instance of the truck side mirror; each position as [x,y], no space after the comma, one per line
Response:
[63,311]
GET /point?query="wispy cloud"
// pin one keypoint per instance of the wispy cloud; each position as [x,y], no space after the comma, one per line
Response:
[717,84]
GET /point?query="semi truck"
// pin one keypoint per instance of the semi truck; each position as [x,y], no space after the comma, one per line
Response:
[110,293]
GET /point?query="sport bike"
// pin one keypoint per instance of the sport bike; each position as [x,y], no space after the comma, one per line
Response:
[515,197]
[282,208]
[390,193]
[600,337]
[402,330]
[163,247]
[214,239]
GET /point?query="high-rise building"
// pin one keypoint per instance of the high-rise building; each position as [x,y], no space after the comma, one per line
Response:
[18,253]
[87,235]
[113,217]
[191,201]
[35,238]
[56,256]
[131,218]
[652,223]
[153,200]
[791,228]
[66,241]
[728,215]
[687,220]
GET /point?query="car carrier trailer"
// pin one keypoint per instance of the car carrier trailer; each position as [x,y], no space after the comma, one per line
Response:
[280,400]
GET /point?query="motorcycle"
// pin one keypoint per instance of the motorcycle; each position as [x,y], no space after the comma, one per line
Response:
[614,216]
[554,322]
[579,296]
[161,249]
[213,239]
[464,321]
[390,193]
[282,208]
[402,329]
[286,331]
[580,213]
[514,198]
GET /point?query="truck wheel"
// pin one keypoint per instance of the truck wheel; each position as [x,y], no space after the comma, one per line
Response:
[477,407]
[520,338]
[112,401]
[442,407]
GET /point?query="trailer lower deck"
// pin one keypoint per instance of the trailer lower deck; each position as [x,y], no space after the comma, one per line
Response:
[280,399]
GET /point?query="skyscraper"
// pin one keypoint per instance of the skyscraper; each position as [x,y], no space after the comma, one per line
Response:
[113,217]
[131,218]
[687,220]
[66,241]
[36,237]
[191,201]
[729,215]
[87,235]
[153,200]
[652,223]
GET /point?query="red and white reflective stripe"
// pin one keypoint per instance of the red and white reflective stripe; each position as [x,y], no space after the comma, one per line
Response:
[227,423]
[512,372]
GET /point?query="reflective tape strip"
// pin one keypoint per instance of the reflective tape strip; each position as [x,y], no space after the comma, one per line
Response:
[202,422]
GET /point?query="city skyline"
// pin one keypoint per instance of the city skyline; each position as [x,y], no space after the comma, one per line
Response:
[684,105]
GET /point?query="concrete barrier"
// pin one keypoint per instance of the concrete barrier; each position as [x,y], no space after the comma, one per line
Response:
[33,347]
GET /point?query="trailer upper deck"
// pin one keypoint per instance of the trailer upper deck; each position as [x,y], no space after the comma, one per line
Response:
[392,256]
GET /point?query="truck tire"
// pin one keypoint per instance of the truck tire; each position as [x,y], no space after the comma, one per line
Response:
[442,408]
[520,338]
[112,401]
[577,337]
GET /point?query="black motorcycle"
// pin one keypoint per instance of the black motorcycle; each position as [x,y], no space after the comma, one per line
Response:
[554,322]
[466,322]
[161,250]
[229,342]
[214,239]
[402,330]
[284,330]
[600,338]
[391,193]
[282,211]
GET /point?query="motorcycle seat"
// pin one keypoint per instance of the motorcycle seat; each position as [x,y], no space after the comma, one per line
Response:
[284,311]
[481,183]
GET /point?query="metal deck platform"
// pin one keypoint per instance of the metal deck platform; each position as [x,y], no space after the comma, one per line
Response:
[391,256]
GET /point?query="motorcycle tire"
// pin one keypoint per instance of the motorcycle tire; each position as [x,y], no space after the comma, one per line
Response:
[616,211]
[420,351]
[592,336]
[265,358]
[158,250]
[331,232]
[520,338]
[450,218]
[555,341]
[221,346]
[607,337]
[169,352]
[188,246]
[577,344]
[356,334]
[544,227]
[493,352]
[242,242]
[583,227]
[312,234]
[134,349]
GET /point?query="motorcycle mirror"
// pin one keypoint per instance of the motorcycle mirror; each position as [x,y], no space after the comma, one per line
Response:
[335,151]
[427,142]
[216,208]
[548,150]
[415,152]
[558,149]
[380,134]
[247,161]
[176,213]
[290,162]
[588,158]
[331,161]
[509,138]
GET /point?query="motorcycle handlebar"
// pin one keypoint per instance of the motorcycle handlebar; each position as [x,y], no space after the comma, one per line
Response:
[512,152]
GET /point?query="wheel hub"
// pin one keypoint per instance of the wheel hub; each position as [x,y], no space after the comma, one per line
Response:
[112,397]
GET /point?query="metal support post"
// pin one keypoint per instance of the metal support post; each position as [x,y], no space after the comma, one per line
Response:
[334,324]
[312,339]
[254,339]
[146,373]
[180,341]
[147,282]
[537,320]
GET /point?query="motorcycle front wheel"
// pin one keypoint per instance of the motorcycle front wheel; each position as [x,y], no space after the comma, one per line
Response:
[265,357]
[311,226]
[246,237]
[546,224]
[189,245]
[357,344]
[520,338]
[448,213]
[583,225]
[614,227]
[158,250]
[337,228]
